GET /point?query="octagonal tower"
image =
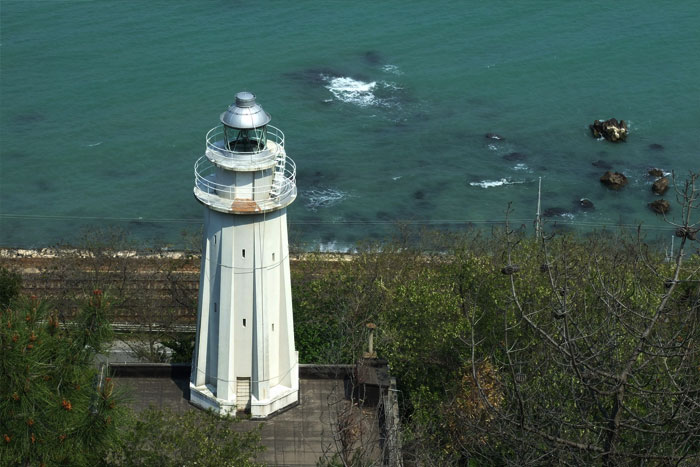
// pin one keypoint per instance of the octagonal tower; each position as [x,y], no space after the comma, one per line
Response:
[244,356]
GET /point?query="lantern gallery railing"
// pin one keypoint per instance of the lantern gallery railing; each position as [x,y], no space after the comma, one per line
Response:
[217,150]
[278,189]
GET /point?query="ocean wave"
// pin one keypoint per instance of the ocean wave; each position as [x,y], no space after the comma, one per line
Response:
[334,247]
[361,93]
[494,183]
[393,69]
[352,91]
[316,198]
[522,167]
[94,144]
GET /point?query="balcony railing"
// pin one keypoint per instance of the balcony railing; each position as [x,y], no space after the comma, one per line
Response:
[246,200]
[218,153]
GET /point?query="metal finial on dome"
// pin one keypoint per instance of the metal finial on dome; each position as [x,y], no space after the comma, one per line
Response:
[245,99]
[245,113]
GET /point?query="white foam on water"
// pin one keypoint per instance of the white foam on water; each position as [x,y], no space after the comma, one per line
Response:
[393,69]
[352,91]
[493,147]
[521,166]
[94,144]
[397,177]
[494,183]
[334,247]
[316,198]
[390,85]
[361,93]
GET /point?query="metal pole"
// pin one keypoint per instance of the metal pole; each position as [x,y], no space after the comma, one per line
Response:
[539,197]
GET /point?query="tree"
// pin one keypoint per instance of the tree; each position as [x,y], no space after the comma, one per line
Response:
[10,286]
[166,438]
[55,408]
[596,359]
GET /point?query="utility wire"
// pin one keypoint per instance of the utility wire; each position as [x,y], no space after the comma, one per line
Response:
[342,222]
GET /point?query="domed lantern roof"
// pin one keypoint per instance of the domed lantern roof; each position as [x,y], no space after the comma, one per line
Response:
[245,113]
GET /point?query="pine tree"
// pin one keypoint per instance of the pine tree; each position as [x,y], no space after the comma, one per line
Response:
[56,407]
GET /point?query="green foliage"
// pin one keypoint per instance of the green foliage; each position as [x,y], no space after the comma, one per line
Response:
[166,438]
[54,407]
[182,346]
[10,286]
[513,348]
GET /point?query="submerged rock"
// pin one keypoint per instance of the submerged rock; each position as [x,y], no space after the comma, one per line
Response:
[660,186]
[515,156]
[554,212]
[660,206]
[373,57]
[656,147]
[495,136]
[611,130]
[601,164]
[614,180]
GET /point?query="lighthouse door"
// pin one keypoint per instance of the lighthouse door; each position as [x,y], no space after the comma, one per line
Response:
[243,394]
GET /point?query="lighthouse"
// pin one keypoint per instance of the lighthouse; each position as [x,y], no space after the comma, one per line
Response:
[244,357]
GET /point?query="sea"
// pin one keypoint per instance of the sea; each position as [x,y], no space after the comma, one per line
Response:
[399,115]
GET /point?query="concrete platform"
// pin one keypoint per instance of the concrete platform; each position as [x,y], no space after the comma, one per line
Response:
[326,421]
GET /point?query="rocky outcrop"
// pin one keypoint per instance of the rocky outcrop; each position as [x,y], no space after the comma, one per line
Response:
[660,186]
[660,206]
[656,172]
[611,130]
[614,180]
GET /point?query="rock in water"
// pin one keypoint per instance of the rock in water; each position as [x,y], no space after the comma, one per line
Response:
[614,180]
[495,136]
[660,186]
[660,206]
[611,130]
[585,203]
[656,172]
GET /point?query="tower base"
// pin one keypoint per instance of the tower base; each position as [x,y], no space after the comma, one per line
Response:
[280,398]
[202,397]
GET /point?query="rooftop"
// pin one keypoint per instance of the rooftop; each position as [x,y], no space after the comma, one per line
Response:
[327,419]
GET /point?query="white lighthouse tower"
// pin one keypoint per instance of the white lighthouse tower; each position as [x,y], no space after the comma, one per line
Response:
[244,356]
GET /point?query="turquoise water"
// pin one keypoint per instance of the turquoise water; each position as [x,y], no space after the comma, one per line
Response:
[104,108]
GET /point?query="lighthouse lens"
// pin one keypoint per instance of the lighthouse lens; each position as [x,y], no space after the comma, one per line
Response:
[247,140]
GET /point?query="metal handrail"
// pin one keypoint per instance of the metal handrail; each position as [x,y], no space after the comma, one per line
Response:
[216,135]
[283,182]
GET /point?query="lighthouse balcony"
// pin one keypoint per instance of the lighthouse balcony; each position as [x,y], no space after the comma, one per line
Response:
[268,191]
[255,156]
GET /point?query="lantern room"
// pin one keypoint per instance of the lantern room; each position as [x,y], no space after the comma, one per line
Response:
[245,124]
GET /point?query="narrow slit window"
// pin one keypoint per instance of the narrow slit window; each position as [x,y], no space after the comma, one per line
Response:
[243,322]
[214,239]
[215,308]
[273,256]
[243,252]
[273,326]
